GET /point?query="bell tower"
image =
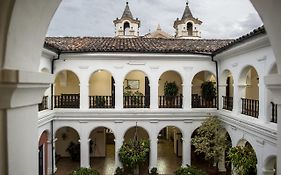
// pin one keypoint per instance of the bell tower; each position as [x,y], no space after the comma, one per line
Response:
[127,26]
[187,26]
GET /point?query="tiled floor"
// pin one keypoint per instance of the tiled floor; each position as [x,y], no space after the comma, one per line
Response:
[168,162]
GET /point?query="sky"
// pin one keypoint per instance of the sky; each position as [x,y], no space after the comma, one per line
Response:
[221,18]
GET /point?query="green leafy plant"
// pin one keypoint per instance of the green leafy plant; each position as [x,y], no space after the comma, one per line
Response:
[74,151]
[209,91]
[210,140]
[189,170]
[85,171]
[243,159]
[134,153]
[170,89]
[100,103]
[153,171]
[119,171]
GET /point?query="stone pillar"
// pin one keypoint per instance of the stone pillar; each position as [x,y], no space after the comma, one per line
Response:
[222,92]
[54,155]
[262,100]
[221,164]
[50,147]
[118,144]
[84,151]
[118,94]
[84,95]
[186,150]
[20,93]
[154,83]
[240,92]
[187,88]
[153,152]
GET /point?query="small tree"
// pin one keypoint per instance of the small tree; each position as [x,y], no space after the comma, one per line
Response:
[210,140]
[243,159]
[170,89]
[209,91]
[85,171]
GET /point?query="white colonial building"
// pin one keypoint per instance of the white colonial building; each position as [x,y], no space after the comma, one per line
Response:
[90,99]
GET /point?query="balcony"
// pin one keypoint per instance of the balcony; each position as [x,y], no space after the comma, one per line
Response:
[250,107]
[67,101]
[200,102]
[44,105]
[227,103]
[274,112]
[170,102]
[101,102]
[136,101]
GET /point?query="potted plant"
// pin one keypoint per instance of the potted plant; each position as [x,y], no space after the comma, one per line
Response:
[170,91]
[189,170]
[209,92]
[210,141]
[74,151]
[85,171]
[100,103]
[243,159]
[133,154]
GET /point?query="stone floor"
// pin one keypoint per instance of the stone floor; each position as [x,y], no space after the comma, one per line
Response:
[167,164]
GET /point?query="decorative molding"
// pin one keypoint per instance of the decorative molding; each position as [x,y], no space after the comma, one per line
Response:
[118,121]
[154,121]
[135,63]
[118,67]
[154,67]
[83,67]
[264,58]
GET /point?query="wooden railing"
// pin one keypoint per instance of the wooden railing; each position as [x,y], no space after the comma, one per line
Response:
[44,104]
[250,107]
[274,112]
[136,101]
[227,103]
[170,102]
[101,102]
[200,102]
[67,101]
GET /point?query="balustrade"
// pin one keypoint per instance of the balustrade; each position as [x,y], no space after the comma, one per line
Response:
[44,105]
[136,101]
[170,102]
[227,103]
[250,107]
[101,102]
[67,101]
[200,102]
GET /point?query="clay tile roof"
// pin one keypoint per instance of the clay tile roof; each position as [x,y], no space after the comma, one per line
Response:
[255,32]
[133,45]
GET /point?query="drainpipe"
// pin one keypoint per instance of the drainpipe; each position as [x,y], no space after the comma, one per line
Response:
[217,77]
[52,107]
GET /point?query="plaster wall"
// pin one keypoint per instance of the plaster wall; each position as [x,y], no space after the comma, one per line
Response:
[169,76]
[136,75]
[100,84]
[66,83]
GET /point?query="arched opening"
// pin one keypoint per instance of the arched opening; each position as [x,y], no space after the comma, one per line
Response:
[169,156]
[102,150]
[270,167]
[126,28]
[67,90]
[273,106]
[101,90]
[136,92]
[170,90]
[228,92]
[67,150]
[198,159]
[189,28]
[204,92]
[43,153]
[249,90]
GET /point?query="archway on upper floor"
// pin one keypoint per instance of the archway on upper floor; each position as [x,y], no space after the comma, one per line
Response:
[126,28]
[189,28]
[204,92]
[136,90]
[270,166]
[170,90]
[43,153]
[67,90]
[249,90]
[271,105]
[169,151]
[101,90]
[247,144]
[102,150]
[227,90]
[198,159]
[67,150]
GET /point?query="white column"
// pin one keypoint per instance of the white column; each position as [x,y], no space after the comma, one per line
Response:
[118,144]
[54,155]
[50,147]
[154,83]
[186,150]
[222,92]
[84,151]
[20,96]
[262,100]
[221,164]
[241,92]
[118,94]
[153,152]
[187,88]
[84,95]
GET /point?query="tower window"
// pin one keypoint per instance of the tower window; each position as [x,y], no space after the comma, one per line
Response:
[126,28]
[189,28]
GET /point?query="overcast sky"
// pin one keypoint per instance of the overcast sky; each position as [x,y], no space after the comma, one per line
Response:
[221,18]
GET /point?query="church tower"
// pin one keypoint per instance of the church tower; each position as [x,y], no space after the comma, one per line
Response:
[187,26]
[127,26]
